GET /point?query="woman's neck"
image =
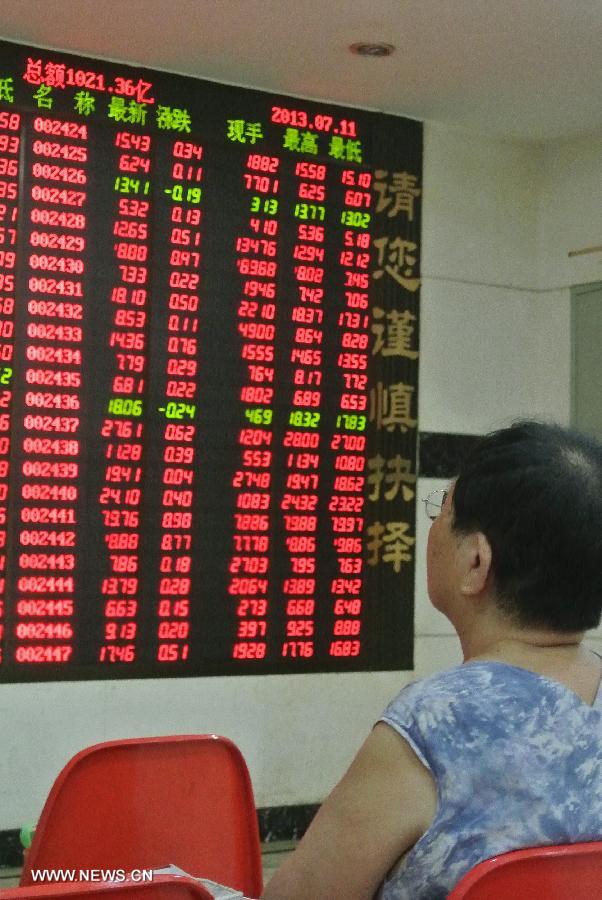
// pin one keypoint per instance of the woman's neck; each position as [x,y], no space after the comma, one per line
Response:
[498,638]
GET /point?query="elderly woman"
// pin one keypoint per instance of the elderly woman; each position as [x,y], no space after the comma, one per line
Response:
[504,751]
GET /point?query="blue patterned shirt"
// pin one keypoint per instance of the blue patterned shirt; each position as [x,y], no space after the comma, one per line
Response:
[517,759]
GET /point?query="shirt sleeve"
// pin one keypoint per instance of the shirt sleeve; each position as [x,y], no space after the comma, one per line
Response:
[401,716]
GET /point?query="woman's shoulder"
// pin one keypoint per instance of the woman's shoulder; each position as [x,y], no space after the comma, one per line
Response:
[456,681]
[478,689]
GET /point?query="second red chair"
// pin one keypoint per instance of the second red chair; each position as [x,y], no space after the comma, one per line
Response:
[538,873]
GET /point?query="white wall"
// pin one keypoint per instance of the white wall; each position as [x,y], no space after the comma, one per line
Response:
[570,213]
[495,347]
[569,219]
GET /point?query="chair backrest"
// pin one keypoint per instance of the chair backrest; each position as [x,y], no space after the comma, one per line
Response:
[161,888]
[538,873]
[148,802]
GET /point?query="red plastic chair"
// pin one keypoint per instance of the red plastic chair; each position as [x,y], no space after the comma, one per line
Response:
[539,873]
[148,802]
[162,886]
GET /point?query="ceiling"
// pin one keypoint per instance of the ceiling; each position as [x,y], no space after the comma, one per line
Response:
[525,69]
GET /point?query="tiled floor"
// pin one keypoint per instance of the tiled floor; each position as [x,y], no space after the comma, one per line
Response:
[273,855]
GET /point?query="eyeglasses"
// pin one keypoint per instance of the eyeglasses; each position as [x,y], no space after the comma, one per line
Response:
[433,503]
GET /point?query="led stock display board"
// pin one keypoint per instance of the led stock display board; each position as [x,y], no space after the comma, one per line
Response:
[208,376]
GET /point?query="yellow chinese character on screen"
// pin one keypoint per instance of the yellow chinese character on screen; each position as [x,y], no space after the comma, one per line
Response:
[7,90]
[43,97]
[398,195]
[393,336]
[173,119]
[84,103]
[389,543]
[390,406]
[244,132]
[393,473]
[397,258]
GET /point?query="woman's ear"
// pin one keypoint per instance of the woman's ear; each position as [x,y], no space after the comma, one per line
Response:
[475,560]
